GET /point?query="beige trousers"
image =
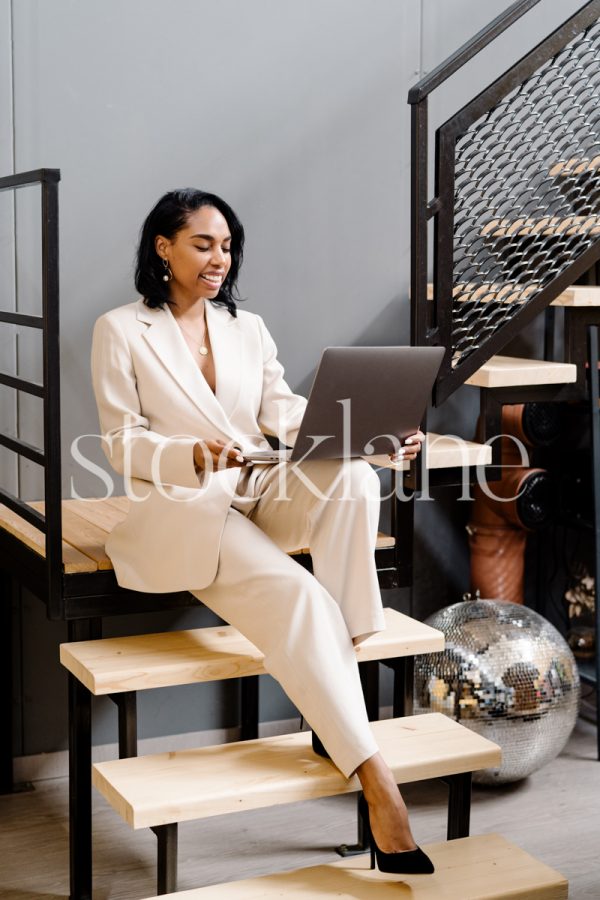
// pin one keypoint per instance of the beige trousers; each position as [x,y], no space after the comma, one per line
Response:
[304,623]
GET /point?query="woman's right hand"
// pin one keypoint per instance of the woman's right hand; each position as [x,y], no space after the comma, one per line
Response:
[212,456]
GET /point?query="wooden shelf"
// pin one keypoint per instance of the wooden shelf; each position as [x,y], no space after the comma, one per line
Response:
[508,371]
[146,661]
[482,867]
[192,784]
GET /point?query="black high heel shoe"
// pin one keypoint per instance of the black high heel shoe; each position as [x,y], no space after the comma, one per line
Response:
[318,747]
[407,862]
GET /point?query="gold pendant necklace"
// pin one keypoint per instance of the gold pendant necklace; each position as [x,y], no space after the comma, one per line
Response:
[202,349]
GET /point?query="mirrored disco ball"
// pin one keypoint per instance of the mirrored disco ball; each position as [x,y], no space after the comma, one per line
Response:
[507,674]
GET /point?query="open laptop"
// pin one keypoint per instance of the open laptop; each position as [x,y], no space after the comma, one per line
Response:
[363,401]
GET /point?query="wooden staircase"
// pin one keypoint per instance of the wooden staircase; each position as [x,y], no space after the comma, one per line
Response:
[160,790]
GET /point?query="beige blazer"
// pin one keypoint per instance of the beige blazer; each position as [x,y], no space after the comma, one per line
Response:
[154,404]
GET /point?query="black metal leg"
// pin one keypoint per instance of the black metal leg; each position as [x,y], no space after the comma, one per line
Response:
[249,708]
[549,332]
[404,674]
[6,676]
[80,772]
[362,838]
[403,531]
[595,450]
[369,678]
[459,804]
[166,868]
[127,705]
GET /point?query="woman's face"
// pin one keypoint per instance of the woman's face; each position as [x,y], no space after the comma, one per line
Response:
[199,255]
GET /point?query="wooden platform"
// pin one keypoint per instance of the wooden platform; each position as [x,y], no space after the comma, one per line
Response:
[508,371]
[86,526]
[578,295]
[192,784]
[483,867]
[144,661]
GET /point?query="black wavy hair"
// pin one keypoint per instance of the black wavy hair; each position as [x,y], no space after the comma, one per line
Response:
[168,216]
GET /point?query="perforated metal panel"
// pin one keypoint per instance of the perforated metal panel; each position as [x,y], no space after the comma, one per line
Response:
[526,192]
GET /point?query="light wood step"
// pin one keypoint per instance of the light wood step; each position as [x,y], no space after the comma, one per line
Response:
[489,292]
[86,525]
[145,661]
[516,294]
[578,295]
[509,371]
[73,559]
[482,867]
[191,784]
[444,451]
[547,226]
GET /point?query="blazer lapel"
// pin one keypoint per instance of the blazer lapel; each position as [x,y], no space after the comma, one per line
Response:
[167,342]
[226,341]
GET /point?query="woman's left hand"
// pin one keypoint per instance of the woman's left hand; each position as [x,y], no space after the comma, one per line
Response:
[410,449]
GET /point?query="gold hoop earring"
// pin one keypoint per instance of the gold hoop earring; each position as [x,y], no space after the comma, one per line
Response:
[168,274]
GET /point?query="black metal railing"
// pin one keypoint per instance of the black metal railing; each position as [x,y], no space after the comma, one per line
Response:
[49,522]
[517,193]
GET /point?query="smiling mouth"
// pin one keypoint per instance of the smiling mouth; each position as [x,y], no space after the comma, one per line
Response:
[213,280]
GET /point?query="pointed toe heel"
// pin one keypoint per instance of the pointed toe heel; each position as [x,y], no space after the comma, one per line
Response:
[407,862]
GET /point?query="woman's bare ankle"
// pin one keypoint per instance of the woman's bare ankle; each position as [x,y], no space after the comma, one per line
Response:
[376,778]
[387,810]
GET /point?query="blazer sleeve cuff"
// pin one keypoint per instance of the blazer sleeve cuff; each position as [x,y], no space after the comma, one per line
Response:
[173,463]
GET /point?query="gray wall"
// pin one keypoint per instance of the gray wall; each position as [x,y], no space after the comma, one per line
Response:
[296,113]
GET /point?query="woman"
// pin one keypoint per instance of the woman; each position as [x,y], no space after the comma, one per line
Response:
[185,384]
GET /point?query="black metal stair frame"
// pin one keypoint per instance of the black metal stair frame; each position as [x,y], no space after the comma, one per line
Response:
[49,390]
[591,675]
[13,552]
[493,182]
